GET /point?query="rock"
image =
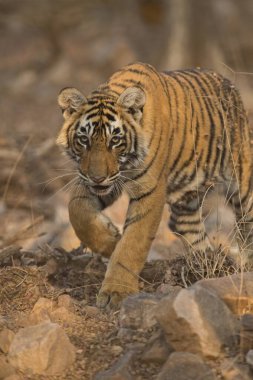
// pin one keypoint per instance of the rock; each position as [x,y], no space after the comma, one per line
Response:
[46,310]
[235,290]
[231,370]
[157,350]
[42,349]
[91,311]
[138,311]
[249,358]
[168,289]
[246,333]
[197,321]
[116,350]
[119,371]
[6,368]
[41,311]
[66,301]
[126,334]
[185,366]
[61,314]
[6,337]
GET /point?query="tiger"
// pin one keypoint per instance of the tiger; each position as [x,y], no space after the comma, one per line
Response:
[163,138]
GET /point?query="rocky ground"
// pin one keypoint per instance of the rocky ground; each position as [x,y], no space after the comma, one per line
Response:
[50,327]
[180,326]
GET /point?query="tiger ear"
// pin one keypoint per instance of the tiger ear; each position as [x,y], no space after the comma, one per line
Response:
[70,100]
[134,99]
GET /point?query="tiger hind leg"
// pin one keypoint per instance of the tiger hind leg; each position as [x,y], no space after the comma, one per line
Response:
[186,222]
[243,209]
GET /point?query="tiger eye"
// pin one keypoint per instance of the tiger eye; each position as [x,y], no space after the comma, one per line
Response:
[115,139]
[83,139]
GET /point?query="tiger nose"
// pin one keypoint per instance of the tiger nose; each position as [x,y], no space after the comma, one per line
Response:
[97,179]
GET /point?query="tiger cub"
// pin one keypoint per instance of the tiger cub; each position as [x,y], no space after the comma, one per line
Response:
[162,137]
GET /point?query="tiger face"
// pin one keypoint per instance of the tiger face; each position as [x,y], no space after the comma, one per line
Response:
[103,135]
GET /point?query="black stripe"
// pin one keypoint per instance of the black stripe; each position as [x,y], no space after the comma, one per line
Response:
[67,134]
[170,86]
[151,162]
[212,126]
[109,116]
[135,71]
[198,78]
[91,115]
[115,92]
[177,221]
[135,219]
[144,195]
[134,82]
[106,107]
[200,239]
[186,210]
[190,159]
[120,85]
[185,232]
[244,198]
[161,80]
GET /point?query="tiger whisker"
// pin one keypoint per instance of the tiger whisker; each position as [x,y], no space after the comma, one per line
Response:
[65,187]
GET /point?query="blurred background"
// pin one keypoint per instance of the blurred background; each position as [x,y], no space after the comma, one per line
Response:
[46,45]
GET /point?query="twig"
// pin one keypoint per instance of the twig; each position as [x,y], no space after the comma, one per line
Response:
[183,278]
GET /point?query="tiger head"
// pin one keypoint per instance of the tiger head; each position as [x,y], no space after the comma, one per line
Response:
[103,135]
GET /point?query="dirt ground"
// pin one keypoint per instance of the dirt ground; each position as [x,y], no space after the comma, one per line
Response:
[48,45]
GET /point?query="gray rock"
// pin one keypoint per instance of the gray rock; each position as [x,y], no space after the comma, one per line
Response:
[120,370]
[197,321]
[157,350]
[185,366]
[138,311]
[235,290]
[246,333]
[249,358]
[42,349]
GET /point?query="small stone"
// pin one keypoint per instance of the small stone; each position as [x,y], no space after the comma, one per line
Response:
[116,350]
[66,301]
[138,311]
[168,289]
[185,366]
[51,267]
[41,311]
[42,349]
[6,337]
[91,311]
[157,350]
[126,334]
[197,321]
[119,371]
[6,368]
[61,314]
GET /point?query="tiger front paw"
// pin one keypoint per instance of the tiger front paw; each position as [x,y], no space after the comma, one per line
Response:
[114,290]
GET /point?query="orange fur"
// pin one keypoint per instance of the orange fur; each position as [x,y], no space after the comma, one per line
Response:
[161,137]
